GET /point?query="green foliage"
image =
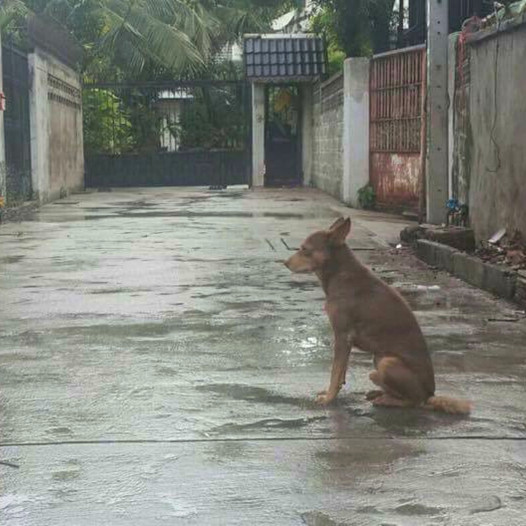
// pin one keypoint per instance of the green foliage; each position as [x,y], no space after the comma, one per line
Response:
[356,27]
[107,127]
[127,38]
[322,23]
[367,197]
[213,119]
[12,15]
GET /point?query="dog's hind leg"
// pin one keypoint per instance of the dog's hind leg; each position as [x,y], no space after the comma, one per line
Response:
[374,376]
[402,387]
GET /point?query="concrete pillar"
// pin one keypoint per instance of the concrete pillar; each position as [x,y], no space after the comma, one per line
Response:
[3,174]
[307,139]
[355,128]
[437,111]
[258,135]
[39,125]
[451,74]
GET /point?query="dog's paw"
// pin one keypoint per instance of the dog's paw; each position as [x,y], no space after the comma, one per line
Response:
[324,399]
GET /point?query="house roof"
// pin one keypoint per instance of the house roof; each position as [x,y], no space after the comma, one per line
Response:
[279,57]
[177,94]
[283,21]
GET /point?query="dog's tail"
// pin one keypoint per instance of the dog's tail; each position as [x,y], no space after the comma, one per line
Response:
[445,404]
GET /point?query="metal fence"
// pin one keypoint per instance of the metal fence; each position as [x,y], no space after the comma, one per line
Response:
[16,123]
[176,133]
[397,138]
[396,101]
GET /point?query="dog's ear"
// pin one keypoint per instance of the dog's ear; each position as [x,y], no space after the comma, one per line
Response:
[339,233]
[336,223]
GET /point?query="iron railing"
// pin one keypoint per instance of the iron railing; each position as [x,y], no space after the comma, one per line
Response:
[16,124]
[396,100]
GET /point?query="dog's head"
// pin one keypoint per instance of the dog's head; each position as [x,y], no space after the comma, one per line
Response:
[315,251]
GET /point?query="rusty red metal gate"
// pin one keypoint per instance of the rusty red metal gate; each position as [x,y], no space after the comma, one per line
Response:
[397,128]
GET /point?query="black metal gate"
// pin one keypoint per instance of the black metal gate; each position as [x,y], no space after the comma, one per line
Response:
[186,133]
[283,136]
[16,124]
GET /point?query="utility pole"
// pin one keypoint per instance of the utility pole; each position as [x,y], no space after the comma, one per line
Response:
[437,110]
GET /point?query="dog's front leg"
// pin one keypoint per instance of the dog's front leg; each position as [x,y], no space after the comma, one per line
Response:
[342,348]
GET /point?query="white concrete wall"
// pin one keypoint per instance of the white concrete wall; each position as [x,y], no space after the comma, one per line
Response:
[489,132]
[258,135]
[340,153]
[57,153]
[496,158]
[2,136]
[39,125]
[355,128]
[307,144]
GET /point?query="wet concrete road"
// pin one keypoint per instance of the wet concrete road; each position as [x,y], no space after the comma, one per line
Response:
[158,365]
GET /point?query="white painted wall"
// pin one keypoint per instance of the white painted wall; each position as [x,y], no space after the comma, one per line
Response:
[258,135]
[39,125]
[57,151]
[355,128]
[307,139]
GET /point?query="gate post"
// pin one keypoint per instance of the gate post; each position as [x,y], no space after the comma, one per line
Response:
[355,128]
[3,179]
[258,135]
[437,96]
[307,101]
[39,119]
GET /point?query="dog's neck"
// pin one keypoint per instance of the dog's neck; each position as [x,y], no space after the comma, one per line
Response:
[341,262]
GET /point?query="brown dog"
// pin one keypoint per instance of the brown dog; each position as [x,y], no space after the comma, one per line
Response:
[367,313]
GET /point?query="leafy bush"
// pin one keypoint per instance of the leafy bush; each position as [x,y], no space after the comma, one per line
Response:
[367,197]
[214,118]
[107,128]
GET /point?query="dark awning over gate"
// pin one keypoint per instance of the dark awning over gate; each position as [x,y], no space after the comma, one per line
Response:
[284,58]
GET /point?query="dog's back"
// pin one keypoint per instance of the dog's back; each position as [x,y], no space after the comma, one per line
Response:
[382,322]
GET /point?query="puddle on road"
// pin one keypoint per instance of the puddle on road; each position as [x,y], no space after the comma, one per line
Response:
[267,424]
[9,260]
[256,394]
[129,214]
[317,518]
[415,509]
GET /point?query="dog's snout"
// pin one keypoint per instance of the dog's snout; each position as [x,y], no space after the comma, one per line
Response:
[287,263]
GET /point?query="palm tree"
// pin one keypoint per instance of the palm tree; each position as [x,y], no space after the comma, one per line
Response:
[172,33]
[10,12]
[177,36]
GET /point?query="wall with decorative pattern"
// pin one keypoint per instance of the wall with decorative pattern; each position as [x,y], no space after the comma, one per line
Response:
[57,152]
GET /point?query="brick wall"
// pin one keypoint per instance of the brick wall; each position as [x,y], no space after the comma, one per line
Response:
[327,165]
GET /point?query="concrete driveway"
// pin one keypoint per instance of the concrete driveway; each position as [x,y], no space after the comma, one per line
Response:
[158,365]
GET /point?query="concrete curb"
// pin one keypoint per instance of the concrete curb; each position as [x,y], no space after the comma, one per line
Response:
[18,213]
[500,281]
